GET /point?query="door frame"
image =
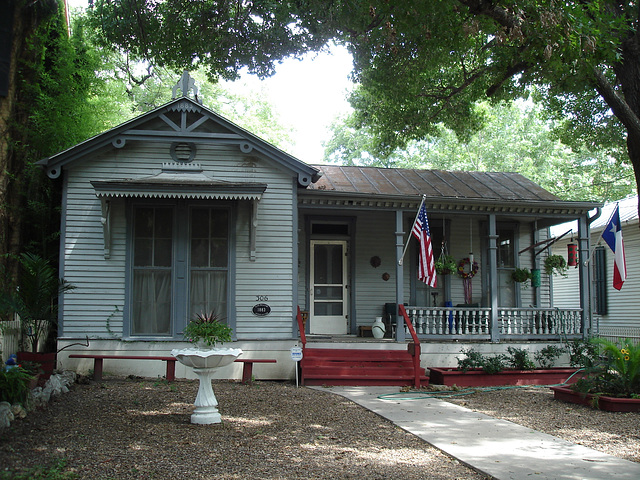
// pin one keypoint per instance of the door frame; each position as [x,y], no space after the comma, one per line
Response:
[346,231]
[345,283]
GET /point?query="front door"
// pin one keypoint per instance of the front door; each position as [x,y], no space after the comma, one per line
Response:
[328,295]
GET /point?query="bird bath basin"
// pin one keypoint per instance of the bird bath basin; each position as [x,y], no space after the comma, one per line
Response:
[204,363]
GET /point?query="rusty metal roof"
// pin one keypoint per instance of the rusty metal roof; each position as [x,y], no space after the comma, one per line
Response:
[436,184]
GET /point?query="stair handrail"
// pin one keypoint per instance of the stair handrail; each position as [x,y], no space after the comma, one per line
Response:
[414,347]
[407,322]
[303,336]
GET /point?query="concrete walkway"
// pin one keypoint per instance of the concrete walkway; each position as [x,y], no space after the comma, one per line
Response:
[498,448]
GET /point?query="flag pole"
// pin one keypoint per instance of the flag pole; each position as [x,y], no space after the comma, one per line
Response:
[424,197]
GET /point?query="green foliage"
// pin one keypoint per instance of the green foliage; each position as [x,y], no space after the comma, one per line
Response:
[446,265]
[35,299]
[54,472]
[14,385]
[519,359]
[547,356]
[555,265]
[208,329]
[514,137]
[489,364]
[472,359]
[618,372]
[521,275]
[582,353]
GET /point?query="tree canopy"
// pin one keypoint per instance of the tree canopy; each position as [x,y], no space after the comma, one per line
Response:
[419,64]
[515,137]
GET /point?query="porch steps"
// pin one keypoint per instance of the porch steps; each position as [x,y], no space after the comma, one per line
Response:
[358,367]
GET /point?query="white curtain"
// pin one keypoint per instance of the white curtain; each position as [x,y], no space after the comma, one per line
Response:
[151,302]
[209,293]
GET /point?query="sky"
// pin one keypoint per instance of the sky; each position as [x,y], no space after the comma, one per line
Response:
[307,94]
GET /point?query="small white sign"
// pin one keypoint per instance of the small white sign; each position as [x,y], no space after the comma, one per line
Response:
[296,354]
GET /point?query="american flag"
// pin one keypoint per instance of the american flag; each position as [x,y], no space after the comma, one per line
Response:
[426,265]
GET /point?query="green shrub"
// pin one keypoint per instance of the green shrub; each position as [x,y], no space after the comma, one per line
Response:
[519,359]
[618,372]
[583,353]
[474,359]
[208,329]
[14,385]
[547,356]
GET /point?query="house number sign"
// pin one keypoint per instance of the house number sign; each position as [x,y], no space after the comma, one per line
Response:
[261,309]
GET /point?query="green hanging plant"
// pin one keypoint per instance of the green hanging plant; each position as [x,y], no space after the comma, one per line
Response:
[555,265]
[445,265]
[521,275]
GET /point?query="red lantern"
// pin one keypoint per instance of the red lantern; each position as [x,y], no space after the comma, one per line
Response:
[572,254]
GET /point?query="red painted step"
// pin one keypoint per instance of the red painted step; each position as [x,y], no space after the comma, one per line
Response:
[324,366]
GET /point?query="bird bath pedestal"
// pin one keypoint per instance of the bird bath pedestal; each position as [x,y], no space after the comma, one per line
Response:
[204,363]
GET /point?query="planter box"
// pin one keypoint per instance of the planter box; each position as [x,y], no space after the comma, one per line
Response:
[610,404]
[479,378]
[47,362]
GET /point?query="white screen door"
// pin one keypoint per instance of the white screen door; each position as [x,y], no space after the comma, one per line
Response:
[329,307]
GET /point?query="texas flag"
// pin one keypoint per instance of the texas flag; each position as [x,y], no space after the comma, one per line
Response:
[612,234]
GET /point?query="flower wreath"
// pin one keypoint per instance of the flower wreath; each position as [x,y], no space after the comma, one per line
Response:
[472,272]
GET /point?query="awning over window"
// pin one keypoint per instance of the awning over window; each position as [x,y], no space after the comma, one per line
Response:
[178,185]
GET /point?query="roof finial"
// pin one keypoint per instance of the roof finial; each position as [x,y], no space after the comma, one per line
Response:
[185,84]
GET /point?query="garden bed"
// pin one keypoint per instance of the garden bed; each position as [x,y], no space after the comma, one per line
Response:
[479,378]
[609,404]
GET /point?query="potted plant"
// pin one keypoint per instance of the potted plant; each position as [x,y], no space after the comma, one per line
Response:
[206,330]
[555,265]
[521,275]
[35,301]
[612,383]
[445,265]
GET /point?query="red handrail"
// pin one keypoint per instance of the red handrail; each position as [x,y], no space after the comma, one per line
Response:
[414,348]
[303,336]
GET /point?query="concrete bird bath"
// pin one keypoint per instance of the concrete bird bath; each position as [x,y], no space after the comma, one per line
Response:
[204,363]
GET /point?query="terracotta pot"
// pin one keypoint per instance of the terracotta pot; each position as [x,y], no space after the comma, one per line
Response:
[479,378]
[610,404]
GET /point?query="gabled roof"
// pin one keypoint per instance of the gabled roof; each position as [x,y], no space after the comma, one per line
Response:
[182,121]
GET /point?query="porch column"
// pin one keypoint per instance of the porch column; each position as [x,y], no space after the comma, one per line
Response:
[584,274]
[493,277]
[399,274]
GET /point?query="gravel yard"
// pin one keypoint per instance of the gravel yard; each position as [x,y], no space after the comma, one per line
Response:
[125,429]
[139,428]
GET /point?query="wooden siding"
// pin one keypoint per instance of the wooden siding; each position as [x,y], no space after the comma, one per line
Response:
[623,307]
[95,308]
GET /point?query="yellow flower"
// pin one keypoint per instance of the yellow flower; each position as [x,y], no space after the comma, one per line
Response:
[626,357]
[624,351]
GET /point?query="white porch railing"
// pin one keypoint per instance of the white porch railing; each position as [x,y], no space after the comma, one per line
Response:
[439,322]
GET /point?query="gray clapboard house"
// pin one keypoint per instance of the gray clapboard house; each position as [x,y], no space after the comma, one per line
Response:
[180,211]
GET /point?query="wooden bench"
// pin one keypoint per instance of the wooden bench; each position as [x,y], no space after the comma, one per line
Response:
[98,362]
[247,368]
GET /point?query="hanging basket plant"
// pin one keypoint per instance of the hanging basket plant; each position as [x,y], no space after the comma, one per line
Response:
[445,265]
[555,265]
[521,275]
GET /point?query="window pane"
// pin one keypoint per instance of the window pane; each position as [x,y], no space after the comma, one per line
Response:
[328,264]
[327,309]
[143,225]
[151,313]
[199,252]
[208,293]
[219,253]
[219,223]
[142,251]
[200,223]
[162,253]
